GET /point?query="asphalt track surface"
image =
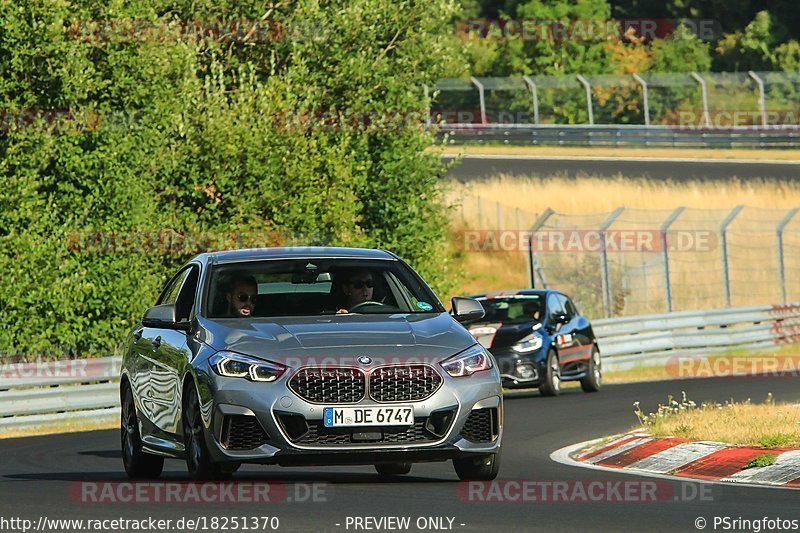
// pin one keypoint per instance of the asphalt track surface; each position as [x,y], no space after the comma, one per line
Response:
[38,473]
[476,167]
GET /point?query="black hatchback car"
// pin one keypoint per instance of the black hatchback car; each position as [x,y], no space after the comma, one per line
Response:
[539,339]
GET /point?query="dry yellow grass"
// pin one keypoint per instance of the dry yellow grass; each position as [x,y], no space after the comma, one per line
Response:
[562,151]
[595,194]
[771,425]
[63,427]
[696,276]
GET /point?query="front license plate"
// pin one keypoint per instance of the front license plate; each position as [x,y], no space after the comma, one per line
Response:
[398,415]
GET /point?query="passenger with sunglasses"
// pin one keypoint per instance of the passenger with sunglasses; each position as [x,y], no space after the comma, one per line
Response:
[356,289]
[241,296]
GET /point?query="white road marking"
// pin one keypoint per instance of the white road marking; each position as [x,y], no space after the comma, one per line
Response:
[673,458]
[785,469]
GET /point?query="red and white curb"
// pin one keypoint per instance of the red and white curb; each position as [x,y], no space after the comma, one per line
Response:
[676,458]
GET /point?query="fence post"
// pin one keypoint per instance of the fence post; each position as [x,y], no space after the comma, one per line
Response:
[762,104]
[426,95]
[645,98]
[532,85]
[604,261]
[726,280]
[704,88]
[588,88]
[479,85]
[781,267]
[665,254]
[533,266]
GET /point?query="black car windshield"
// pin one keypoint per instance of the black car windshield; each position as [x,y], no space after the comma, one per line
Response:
[516,309]
[309,287]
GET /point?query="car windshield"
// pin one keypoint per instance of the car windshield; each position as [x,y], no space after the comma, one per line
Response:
[515,309]
[309,287]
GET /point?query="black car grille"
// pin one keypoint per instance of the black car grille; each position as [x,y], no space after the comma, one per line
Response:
[403,383]
[481,425]
[242,432]
[329,385]
[314,433]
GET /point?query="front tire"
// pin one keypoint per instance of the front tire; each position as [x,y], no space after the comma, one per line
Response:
[551,384]
[138,464]
[594,374]
[393,469]
[198,459]
[481,468]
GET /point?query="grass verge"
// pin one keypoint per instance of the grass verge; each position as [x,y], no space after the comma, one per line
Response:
[768,425]
[563,151]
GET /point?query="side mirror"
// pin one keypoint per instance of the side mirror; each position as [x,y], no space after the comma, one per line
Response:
[162,316]
[467,309]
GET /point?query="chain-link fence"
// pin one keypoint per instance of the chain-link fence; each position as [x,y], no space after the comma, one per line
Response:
[638,261]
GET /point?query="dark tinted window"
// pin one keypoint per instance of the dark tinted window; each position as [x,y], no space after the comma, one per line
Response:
[185,300]
[515,309]
[554,307]
[170,294]
[566,304]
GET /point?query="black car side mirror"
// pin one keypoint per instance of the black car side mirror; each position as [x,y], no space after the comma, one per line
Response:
[467,309]
[162,316]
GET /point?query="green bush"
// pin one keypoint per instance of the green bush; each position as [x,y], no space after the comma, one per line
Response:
[203,135]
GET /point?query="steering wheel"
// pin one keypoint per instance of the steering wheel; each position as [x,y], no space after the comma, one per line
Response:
[368,302]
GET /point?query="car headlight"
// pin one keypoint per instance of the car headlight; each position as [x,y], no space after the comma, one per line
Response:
[468,362]
[234,365]
[529,344]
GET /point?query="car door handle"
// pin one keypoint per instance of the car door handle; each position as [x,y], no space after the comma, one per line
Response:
[156,343]
[137,336]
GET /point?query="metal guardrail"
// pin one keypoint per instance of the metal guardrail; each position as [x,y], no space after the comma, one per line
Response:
[654,136]
[35,395]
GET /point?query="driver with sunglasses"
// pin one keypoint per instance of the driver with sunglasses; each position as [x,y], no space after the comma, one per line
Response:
[356,289]
[241,296]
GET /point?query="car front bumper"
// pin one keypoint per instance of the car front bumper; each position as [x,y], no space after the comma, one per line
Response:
[272,404]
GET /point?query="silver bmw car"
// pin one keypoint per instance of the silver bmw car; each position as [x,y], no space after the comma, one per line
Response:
[307,356]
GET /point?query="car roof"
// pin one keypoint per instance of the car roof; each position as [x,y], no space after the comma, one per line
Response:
[514,292]
[297,252]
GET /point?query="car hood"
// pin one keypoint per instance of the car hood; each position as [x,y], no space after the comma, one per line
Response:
[339,339]
[499,334]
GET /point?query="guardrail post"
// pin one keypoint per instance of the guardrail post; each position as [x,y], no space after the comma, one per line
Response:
[533,266]
[762,105]
[532,85]
[781,267]
[645,98]
[604,261]
[481,97]
[726,280]
[588,88]
[665,254]
[704,88]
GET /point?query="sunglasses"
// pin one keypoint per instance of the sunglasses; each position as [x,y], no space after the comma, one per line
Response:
[360,283]
[244,297]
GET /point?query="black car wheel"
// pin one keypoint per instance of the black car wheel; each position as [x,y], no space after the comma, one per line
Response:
[198,459]
[481,468]
[393,469]
[138,464]
[594,374]
[551,381]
